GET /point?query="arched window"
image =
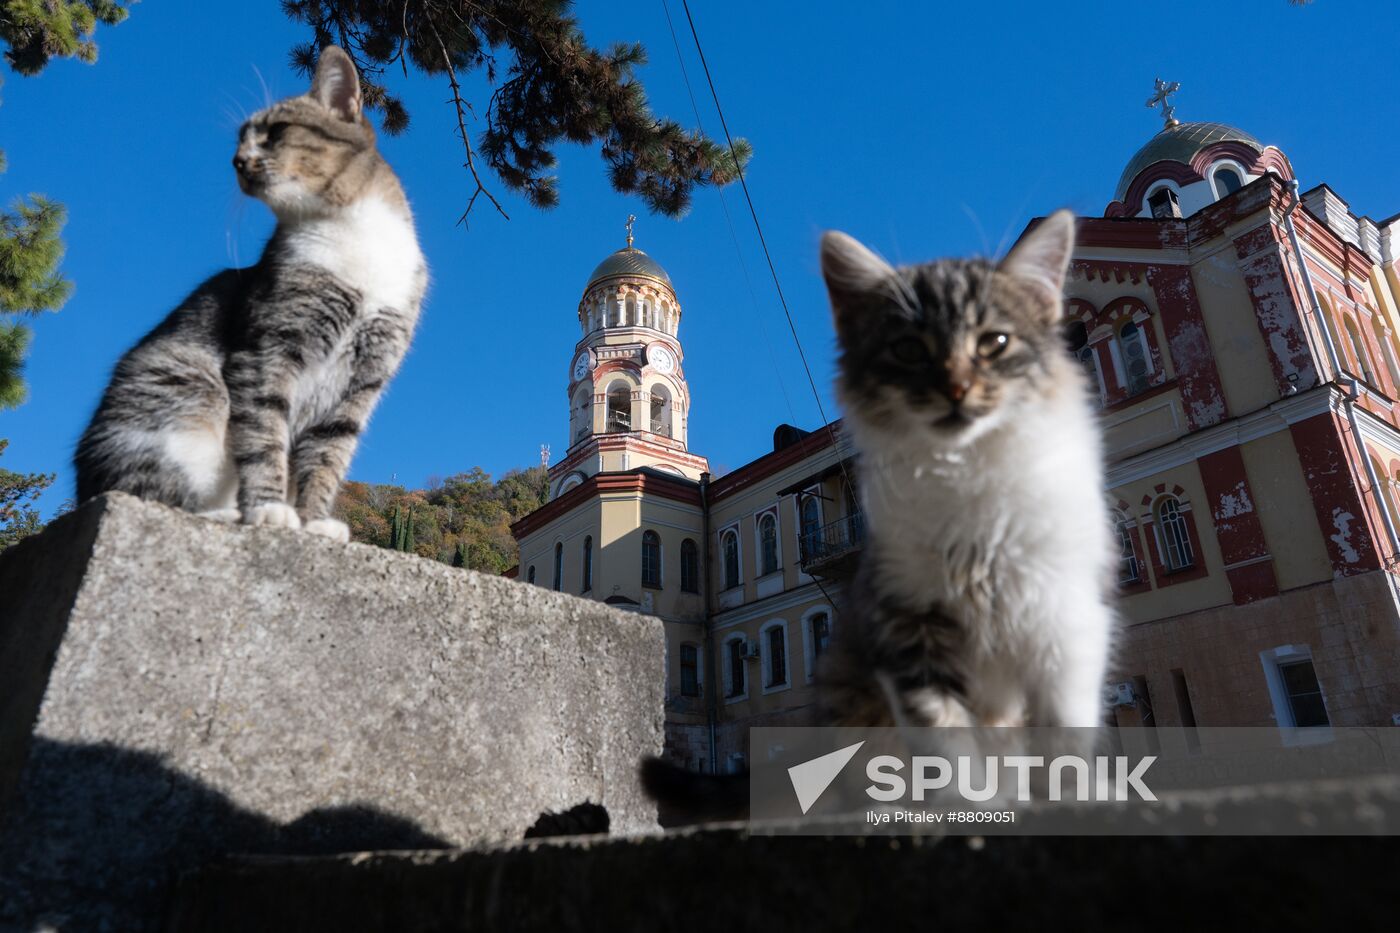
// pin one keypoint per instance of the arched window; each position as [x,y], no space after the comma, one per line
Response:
[690,567]
[1134,351]
[690,670]
[587,564]
[768,544]
[1387,345]
[619,408]
[629,317]
[811,530]
[559,565]
[1358,347]
[729,547]
[1129,567]
[1174,534]
[660,410]
[530,575]
[651,559]
[1227,182]
[1077,336]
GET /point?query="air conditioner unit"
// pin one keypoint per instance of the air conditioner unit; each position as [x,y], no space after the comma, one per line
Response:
[1120,694]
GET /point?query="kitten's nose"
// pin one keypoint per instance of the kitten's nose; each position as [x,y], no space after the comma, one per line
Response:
[242,163]
[957,389]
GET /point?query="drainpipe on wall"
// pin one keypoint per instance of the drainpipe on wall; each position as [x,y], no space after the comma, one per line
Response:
[711,684]
[1353,388]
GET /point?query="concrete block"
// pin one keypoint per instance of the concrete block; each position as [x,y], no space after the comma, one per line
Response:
[196,689]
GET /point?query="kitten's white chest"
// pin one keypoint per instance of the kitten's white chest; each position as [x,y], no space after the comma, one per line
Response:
[371,247]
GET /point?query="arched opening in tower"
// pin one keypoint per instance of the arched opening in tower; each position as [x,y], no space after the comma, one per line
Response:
[660,411]
[619,408]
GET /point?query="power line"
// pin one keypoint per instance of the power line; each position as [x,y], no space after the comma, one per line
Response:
[763,241]
[729,223]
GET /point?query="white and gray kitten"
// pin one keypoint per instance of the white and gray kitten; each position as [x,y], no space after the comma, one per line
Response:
[983,597]
[247,401]
[983,594]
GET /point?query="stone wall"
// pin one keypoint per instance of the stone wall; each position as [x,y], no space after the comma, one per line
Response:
[195,689]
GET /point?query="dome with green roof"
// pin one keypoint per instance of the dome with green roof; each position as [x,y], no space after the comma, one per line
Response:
[1181,143]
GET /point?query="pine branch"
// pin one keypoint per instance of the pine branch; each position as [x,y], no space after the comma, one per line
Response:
[554,88]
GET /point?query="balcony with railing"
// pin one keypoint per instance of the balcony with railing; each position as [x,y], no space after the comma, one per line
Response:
[833,549]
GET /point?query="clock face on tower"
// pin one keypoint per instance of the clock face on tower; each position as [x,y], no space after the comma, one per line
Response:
[583,365]
[661,358]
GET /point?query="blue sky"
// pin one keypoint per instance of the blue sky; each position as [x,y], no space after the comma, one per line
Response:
[924,129]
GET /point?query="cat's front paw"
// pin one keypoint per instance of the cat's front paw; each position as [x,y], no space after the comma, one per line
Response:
[331,528]
[276,514]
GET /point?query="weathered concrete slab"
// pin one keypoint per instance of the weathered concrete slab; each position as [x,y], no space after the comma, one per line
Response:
[196,688]
[724,878]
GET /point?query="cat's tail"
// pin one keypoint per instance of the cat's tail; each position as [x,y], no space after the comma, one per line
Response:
[684,797]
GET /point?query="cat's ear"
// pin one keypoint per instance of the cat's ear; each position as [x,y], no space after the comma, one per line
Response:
[1043,255]
[336,84]
[852,272]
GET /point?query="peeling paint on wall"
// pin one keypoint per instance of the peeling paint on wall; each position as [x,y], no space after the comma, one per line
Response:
[1341,520]
[1235,503]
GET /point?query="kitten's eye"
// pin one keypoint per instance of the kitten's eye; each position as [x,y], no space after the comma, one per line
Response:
[910,350]
[275,131]
[992,344]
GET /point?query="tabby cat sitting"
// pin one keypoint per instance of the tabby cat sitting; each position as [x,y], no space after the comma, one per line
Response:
[247,401]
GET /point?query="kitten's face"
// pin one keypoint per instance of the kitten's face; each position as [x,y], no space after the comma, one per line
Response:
[295,155]
[948,350]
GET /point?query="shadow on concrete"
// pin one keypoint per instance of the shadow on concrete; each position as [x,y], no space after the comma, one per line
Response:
[97,836]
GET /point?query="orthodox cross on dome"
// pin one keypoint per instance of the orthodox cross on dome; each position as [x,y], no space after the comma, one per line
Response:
[631,219]
[1164,90]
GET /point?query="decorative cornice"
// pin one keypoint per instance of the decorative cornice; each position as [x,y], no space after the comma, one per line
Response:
[1241,430]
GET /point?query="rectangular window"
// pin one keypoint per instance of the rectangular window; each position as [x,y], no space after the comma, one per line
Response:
[690,671]
[736,668]
[1304,693]
[777,657]
[1185,710]
[821,634]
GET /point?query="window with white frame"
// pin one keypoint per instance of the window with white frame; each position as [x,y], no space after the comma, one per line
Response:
[767,543]
[1133,349]
[651,559]
[729,550]
[811,530]
[1227,181]
[1294,687]
[1129,568]
[1174,534]
[773,650]
[559,566]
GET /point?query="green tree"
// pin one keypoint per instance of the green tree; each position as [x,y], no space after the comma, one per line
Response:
[35,32]
[548,86]
[19,518]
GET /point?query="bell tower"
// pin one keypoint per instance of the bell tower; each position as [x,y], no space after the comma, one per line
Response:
[629,405]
